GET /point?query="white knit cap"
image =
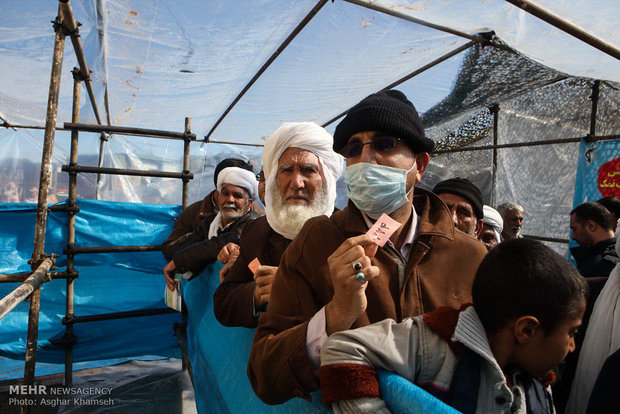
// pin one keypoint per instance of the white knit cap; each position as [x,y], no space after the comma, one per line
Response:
[306,136]
[493,219]
[239,177]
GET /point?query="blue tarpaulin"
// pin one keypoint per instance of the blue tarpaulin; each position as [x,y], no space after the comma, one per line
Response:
[110,282]
[114,282]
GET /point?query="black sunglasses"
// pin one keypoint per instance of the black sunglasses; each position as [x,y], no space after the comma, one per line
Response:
[379,144]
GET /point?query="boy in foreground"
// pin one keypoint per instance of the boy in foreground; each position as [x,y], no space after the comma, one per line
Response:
[493,357]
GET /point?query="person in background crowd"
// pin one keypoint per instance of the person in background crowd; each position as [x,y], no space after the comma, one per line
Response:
[512,214]
[10,193]
[464,201]
[612,204]
[301,171]
[602,339]
[595,256]
[191,217]
[236,189]
[492,228]
[591,226]
[333,276]
[261,186]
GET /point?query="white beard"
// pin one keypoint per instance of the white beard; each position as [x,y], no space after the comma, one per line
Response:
[293,216]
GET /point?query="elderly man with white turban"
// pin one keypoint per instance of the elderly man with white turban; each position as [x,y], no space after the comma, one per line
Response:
[236,190]
[301,170]
[492,228]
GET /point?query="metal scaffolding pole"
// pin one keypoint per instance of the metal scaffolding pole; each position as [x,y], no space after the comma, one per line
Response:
[566,27]
[142,132]
[185,190]
[391,12]
[44,181]
[123,171]
[72,29]
[529,144]
[595,93]
[495,111]
[73,159]
[31,284]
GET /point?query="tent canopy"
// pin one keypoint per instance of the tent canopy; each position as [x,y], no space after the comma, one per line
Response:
[155,63]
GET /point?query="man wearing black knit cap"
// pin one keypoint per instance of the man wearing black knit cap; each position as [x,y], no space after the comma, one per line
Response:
[464,201]
[334,277]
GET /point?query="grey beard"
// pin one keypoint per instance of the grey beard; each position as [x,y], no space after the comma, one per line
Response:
[293,217]
[230,215]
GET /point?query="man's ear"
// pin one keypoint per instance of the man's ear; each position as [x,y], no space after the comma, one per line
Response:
[592,226]
[526,328]
[421,163]
[479,225]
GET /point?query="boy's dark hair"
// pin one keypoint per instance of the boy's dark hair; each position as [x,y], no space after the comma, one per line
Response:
[522,277]
[612,204]
[595,212]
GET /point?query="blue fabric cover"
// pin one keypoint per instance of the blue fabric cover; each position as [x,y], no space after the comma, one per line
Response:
[114,282]
[110,282]
[403,396]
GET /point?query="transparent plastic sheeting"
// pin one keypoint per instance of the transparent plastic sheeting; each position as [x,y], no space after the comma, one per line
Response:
[219,356]
[528,34]
[163,61]
[110,282]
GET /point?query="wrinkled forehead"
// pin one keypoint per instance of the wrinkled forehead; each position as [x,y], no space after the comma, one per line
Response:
[297,155]
[452,199]
[229,188]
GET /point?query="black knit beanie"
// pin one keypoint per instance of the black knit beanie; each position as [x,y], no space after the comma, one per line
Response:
[231,162]
[464,188]
[388,111]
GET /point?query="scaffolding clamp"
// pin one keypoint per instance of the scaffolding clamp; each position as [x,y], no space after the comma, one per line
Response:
[79,76]
[68,319]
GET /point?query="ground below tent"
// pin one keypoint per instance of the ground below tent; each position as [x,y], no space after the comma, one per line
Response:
[134,387]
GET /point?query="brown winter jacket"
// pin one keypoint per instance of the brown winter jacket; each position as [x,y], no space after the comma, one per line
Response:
[190,219]
[194,251]
[233,302]
[439,272]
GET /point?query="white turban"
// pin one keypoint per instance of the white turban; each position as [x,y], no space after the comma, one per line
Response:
[306,136]
[238,177]
[493,219]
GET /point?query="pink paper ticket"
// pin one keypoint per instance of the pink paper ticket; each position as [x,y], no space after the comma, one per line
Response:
[253,265]
[383,229]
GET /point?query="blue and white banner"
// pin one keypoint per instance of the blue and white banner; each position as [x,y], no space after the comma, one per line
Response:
[598,171]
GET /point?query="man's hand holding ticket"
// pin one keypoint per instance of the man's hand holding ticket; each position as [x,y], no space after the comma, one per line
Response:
[383,229]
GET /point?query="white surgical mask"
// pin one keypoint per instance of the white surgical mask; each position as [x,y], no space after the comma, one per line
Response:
[377,189]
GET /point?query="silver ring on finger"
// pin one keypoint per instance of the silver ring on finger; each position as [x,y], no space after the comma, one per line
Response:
[361,277]
[357,266]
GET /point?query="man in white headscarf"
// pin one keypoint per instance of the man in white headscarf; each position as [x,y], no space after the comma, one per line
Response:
[301,170]
[492,227]
[236,190]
